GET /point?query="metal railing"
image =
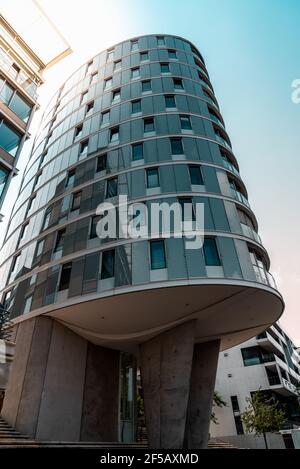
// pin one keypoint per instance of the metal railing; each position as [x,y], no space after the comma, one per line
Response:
[291,387]
[274,380]
[251,233]
[230,166]
[240,197]
[270,357]
[223,141]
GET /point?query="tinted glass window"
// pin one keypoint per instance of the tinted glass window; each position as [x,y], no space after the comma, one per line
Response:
[137,151]
[158,258]
[195,175]
[112,188]
[136,106]
[176,146]
[20,107]
[170,101]
[146,85]
[211,254]
[6,93]
[152,178]
[108,264]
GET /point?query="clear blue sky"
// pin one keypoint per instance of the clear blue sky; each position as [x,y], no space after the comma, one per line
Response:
[252,50]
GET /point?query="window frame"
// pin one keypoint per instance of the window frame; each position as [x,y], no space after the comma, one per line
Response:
[78,131]
[114,131]
[172,52]
[135,73]
[146,53]
[101,158]
[147,122]
[110,274]
[168,97]
[134,45]
[84,147]
[108,83]
[148,82]
[74,197]
[216,262]
[105,118]
[115,193]
[148,171]
[173,142]
[164,65]
[89,107]
[178,84]
[185,118]
[135,146]
[161,41]
[198,168]
[163,265]
[135,101]
[116,96]
[65,267]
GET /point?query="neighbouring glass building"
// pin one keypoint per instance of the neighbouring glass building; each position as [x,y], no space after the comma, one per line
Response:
[20,76]
[139,119]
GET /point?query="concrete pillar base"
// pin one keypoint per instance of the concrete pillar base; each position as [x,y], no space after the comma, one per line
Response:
[203,377]
[178,381]
[61,387]
[166,363]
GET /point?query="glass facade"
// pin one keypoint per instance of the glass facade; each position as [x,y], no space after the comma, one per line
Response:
[78,163]
[18,100]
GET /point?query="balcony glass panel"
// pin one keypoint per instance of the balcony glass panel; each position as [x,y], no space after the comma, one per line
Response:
[6,93]
[19,106]
[9,139]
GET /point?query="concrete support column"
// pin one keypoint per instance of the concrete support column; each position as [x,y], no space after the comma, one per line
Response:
[204,369]
[166,363]
[100,409]
[61,387]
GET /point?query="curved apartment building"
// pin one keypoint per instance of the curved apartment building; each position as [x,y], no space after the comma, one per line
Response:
[139,120]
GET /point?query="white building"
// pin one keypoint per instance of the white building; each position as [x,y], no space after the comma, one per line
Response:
[270,362]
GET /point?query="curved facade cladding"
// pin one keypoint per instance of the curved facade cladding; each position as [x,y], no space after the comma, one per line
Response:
[139,119]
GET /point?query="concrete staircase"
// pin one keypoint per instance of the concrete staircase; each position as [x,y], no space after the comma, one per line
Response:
[220,445]
[10,438]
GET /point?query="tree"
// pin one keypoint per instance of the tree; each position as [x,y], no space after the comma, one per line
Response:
[262,415]
[218,401]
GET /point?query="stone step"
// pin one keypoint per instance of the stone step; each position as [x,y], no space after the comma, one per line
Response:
[10,438]
[221,446]
[37,444]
